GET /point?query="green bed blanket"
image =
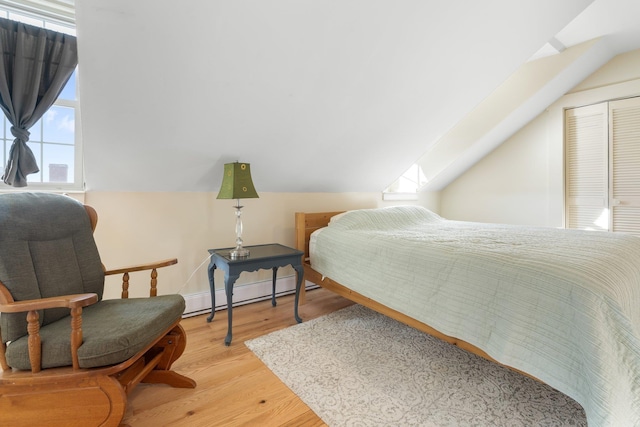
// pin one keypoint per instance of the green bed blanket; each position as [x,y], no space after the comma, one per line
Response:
[561,305]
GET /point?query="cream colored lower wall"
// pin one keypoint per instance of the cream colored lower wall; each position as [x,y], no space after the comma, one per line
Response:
[138,228]
[521,182]
[510,185]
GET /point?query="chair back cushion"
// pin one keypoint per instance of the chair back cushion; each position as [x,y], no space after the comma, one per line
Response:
[46,249]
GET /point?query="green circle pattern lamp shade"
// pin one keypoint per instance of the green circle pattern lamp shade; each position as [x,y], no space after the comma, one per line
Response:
[237,184]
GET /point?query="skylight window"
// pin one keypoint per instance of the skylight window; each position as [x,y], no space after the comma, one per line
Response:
[407,186]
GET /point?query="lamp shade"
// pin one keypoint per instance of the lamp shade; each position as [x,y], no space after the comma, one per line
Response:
[237,183]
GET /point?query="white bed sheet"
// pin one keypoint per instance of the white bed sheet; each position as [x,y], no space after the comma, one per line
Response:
[561,305]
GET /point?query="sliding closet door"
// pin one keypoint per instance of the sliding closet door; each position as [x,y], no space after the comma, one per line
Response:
[624,170]
[586,168]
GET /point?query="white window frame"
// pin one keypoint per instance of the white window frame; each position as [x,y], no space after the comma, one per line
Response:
[58,15]
[406,187]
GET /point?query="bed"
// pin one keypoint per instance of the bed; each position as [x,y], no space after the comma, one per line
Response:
[562,306]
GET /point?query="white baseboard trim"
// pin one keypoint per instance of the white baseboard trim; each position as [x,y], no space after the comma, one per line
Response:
[200,303]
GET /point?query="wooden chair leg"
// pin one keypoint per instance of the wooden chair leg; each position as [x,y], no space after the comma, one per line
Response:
[170,378]
[173,345]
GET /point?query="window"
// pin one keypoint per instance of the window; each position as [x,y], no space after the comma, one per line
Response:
[407,186]
[54,139]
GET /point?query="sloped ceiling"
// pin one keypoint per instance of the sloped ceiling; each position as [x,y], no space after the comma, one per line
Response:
[317,95]
[523,96]
[605,29]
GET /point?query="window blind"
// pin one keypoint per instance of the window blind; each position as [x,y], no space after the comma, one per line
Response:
[60,11]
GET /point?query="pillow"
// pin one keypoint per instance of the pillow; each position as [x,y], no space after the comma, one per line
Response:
[384,218]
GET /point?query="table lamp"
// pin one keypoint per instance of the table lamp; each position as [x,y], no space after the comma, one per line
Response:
[237,184]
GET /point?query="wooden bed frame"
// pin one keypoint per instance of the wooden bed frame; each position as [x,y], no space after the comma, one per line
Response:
[307,223]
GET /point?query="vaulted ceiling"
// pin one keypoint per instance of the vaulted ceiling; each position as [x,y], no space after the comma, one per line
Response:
[317,95]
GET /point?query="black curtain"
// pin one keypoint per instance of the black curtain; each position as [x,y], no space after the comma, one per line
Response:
[36,64]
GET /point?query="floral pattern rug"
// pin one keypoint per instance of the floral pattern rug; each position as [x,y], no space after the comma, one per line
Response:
[355,367]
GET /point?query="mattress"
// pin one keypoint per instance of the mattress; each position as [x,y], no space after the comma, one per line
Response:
[561,305]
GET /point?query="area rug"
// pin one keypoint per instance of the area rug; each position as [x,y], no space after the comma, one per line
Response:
[355,367]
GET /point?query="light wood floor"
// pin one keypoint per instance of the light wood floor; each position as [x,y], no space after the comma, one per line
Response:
[234,387]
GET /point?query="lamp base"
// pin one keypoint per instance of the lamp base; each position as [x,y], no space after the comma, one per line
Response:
[239,252]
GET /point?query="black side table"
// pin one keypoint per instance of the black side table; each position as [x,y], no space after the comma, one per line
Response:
[261,257]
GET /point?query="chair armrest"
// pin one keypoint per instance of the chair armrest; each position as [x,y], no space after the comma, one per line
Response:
[64,301]
[142,267]
[74,303]
[154,274]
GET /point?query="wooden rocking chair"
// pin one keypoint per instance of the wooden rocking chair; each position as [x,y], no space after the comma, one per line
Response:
[70,358]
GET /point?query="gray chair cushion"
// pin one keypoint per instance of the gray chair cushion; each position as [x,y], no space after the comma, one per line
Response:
[113,331]
[46,249]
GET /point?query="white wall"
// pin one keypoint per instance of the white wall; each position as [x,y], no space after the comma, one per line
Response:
[521,182]
[141,227]
[499,187]
[340,95]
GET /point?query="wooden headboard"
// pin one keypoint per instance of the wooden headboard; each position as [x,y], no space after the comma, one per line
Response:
[307,223]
